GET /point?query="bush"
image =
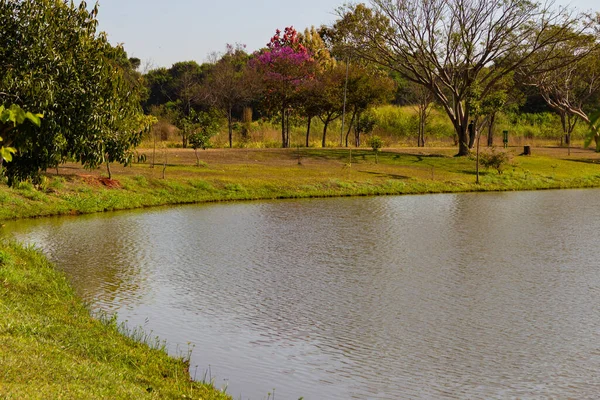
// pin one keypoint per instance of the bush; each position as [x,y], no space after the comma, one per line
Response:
[494,159]
[375,143]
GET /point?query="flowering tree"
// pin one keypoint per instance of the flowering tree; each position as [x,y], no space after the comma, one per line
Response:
[284,66]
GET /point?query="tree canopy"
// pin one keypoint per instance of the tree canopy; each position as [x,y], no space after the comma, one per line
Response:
[53,62]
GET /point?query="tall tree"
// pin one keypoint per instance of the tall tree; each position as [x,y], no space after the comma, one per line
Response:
[571,90]
[449,45]
[176,93]
[285,65]
[229,84]
[189,94]
[422,100]
[53,61]
[368,86]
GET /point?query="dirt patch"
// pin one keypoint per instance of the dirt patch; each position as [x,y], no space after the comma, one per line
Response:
[90,180]
[100,181]
[110,183]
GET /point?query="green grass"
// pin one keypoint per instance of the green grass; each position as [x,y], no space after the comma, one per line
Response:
[52,348]
[277,174]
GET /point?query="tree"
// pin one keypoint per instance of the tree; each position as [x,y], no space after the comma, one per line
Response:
[159,83]
[376,144]
[284,66]
[53,61]
[189,94]
[204,126]
[177,92]
[312,91]
[368,86]
[573,89]
[503,96]
[449,45]
[422,100]
[229,84]
[118,146]
[330,97]
[364,123]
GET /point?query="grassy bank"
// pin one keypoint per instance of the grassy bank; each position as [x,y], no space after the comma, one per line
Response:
[51,348]
[240,174]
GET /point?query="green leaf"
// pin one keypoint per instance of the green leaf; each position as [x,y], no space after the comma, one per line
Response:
[7,152]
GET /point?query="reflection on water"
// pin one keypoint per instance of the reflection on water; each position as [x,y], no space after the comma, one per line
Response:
[440,296]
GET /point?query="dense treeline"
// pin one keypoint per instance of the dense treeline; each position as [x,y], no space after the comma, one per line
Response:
[476,62]
[292,81]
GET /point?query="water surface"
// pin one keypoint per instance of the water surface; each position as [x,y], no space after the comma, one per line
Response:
[439,296]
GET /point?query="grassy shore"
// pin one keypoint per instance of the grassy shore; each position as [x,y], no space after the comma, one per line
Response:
[239,174]
[51,347]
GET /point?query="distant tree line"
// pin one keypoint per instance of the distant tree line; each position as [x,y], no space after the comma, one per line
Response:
[471,59]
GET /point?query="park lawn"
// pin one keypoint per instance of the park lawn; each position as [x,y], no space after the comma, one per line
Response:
[240,174]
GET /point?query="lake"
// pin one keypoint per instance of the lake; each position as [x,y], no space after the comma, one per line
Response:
[492,295]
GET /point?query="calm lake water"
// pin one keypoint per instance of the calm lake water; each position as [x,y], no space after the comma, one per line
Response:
[438,296]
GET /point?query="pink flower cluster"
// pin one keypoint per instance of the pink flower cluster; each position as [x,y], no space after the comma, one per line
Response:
[289,39]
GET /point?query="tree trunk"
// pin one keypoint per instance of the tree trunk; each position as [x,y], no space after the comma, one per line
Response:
[563,122]
[154,151]
[422,121]
[108,169]
[283,142]
[463,142]
[477,160]
[357,138]
[350,126]
[184,140]
[230,127]
[308,131]
[287,129]
[461,131]
[490,138]
[472,136]
[325,124]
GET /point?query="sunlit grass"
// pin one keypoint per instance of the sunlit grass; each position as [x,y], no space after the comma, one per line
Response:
[293,173]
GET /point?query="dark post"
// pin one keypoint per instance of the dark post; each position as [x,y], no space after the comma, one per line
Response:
[505,138]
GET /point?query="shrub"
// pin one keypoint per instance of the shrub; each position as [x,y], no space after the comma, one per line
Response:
[494,159]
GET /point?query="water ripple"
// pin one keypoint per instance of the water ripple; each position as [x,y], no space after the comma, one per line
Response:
[447,296]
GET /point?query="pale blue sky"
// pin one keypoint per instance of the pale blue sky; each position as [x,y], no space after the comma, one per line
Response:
[163,32]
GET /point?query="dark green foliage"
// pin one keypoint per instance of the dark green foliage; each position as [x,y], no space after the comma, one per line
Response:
[53,62]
